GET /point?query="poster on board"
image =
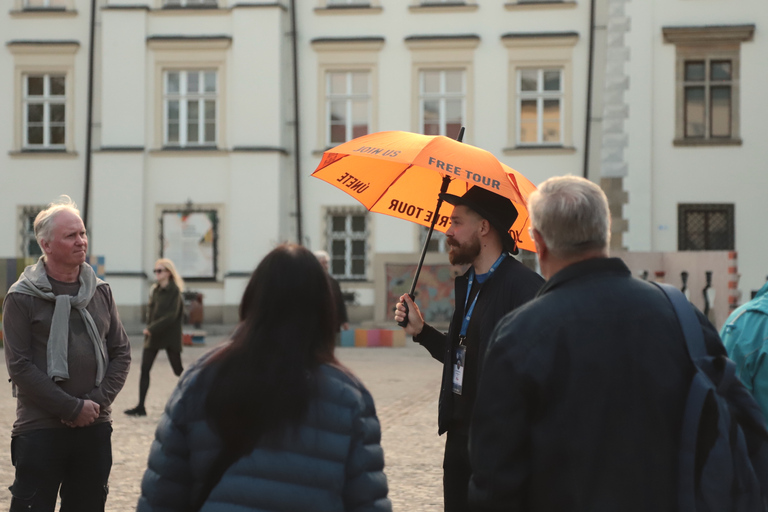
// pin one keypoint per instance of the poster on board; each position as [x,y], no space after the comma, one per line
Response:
[189,240]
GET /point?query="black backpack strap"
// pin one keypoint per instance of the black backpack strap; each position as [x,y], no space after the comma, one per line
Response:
[694,338]
[697,395]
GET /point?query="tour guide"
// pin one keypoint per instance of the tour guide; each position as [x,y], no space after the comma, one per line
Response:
[494,285]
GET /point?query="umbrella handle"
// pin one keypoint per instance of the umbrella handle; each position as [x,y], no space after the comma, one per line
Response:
[405,320]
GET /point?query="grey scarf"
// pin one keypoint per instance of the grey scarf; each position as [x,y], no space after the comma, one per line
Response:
[34,282]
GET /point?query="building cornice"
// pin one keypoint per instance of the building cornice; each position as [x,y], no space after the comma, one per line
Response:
[455,41]
[42,46]
[370,43]
[515,39]
[175,42]
[708,34]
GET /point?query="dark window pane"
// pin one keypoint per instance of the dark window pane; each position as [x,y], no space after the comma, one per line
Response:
[57,86]
[57,113]
[721,70]
[57,135]
[173,132]
[35,113]
[34,86]
[338,267]
[358,247]
[35,135]
[694,112]
[210,132]
[706,227]
[721,111]
[695,71]
[528,80]
[358,130]
[358,267]
[552,80]
[358,223]
[173,82]
[338,224]
[339,249]
[338,133]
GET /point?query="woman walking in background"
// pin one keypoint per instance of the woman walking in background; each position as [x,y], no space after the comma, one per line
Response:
[163,331]
[271,420]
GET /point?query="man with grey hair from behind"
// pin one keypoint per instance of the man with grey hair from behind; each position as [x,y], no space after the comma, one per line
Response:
[581,398]
[68,356]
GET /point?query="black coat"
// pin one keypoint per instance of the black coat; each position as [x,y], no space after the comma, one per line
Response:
[510,286]
[580,404]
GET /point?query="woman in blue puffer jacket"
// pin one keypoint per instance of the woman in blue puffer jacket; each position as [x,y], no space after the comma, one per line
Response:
[271,421]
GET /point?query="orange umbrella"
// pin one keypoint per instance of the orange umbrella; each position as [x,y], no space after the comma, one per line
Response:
[400,174]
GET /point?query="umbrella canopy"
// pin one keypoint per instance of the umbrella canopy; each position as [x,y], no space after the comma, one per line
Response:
[400,174]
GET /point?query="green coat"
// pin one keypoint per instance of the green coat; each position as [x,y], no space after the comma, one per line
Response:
[745,336]
[164,318]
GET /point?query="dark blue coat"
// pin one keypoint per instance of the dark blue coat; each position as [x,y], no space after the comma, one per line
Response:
[333,461]
[581,400]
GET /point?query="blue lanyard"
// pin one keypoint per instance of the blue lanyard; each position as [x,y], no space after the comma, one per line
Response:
[468,312]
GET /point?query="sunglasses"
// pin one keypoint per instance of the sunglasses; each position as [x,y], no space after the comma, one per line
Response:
[159,270]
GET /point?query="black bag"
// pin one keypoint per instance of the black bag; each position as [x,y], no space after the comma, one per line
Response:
[723,459]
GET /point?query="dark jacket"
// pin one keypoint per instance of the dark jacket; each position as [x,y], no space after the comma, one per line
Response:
[581,400]
[332,462]
[510,286]
[164,318]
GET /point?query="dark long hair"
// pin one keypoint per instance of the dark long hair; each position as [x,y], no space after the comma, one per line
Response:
[287,327]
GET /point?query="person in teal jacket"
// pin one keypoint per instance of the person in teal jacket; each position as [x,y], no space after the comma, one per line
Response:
[745,336]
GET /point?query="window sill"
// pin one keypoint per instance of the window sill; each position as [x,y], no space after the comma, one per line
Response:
[178,151]
[520,6]
[539,150]
[43,12]
[43,153]
[706,142]
[202,10]
[349,9]
[446,7]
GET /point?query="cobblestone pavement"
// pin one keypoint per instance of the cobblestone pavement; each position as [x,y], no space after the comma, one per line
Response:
[403,381]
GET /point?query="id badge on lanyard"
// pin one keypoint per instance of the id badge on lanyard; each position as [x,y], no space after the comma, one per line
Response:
[458,367]
[460,359]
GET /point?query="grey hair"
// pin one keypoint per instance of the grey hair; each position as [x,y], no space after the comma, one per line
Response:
[572,215]
[43,224]
[322,255]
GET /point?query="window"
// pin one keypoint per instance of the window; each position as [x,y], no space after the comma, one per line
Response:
[540,106]
[348,241]
[707,96]
[441,102]
[540,92]
[347,88]
[45,111]
[705,227]
[707,73]
[348,105]
[190,108]
[188,3]
[29,246]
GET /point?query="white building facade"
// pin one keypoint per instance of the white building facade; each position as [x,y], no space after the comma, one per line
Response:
[195,125]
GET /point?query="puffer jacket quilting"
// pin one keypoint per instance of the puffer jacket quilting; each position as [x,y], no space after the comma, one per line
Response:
[332,461]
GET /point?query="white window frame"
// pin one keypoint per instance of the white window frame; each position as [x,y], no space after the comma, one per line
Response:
[539,95]
[349,98]
[46,100]
[442,97]
[348,236]
[183,97]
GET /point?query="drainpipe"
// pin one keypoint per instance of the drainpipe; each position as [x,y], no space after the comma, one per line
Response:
[89,117]
[590,72]
[296,125]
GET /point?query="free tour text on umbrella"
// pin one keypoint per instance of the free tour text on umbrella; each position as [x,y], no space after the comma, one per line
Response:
[415,212]
[470,176]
